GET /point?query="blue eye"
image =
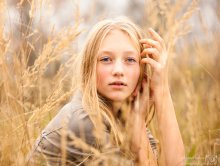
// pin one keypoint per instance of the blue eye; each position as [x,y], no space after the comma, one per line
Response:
[105,59]
[131,60]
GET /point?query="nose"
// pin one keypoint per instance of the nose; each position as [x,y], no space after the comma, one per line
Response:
[118,69]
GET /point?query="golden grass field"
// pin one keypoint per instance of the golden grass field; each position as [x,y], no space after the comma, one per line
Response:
[36,81]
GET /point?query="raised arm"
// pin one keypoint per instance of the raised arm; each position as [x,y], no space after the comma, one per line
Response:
[170,138]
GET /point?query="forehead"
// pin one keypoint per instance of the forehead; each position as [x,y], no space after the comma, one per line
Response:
[117,39]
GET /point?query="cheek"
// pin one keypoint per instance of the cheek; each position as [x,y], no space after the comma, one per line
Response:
[134,76]
[101,73]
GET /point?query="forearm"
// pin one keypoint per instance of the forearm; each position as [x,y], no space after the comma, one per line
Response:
[171,141]
[140,143]
[156,55]
[145,154]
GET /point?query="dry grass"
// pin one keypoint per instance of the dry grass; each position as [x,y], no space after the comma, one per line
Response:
[34,83]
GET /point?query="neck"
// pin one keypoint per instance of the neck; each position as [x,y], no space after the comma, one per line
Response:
[115,106]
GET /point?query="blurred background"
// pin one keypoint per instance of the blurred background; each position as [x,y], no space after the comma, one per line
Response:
[39,40]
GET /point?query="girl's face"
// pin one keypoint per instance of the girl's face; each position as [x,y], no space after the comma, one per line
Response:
[118,67]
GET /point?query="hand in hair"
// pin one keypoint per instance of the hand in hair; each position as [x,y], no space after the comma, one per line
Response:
[155,54]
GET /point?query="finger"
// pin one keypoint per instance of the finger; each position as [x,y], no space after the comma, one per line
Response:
[153,52]
[156,37]
[152,43]
[154,64]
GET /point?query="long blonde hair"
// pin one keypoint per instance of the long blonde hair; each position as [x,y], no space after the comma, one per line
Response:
[92,103]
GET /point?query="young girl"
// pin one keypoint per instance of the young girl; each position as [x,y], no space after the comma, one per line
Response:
[105,122]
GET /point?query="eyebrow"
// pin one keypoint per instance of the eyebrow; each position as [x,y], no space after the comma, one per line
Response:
[131,52]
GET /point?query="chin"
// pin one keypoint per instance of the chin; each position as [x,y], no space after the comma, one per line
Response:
[117,97]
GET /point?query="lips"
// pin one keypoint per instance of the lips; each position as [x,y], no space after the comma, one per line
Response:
[118,83]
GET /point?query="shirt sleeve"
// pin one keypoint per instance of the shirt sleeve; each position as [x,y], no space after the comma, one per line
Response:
[153,143]
[58,144]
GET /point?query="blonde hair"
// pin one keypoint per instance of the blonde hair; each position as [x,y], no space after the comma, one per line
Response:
[92,103]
